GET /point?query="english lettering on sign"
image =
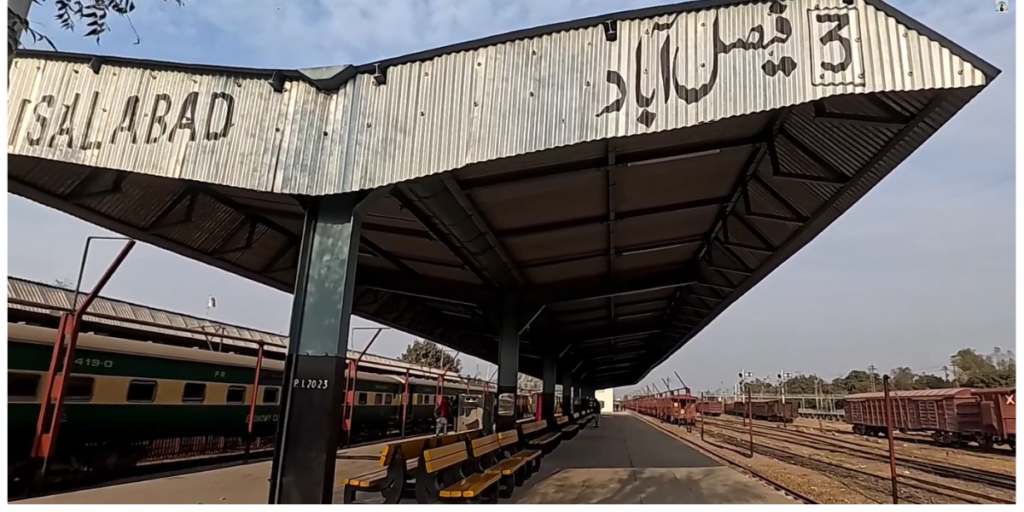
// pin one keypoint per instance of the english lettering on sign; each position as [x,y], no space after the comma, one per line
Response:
[153,119]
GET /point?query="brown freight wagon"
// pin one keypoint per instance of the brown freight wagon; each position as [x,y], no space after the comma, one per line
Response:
[684,408]
[997,409]
[952,416]
[774,409]
[711,408]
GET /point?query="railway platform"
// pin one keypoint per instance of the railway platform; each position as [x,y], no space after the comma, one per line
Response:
[622,461]
[626,461]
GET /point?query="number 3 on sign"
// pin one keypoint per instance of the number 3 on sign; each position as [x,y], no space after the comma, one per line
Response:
[835,42]
[310,383]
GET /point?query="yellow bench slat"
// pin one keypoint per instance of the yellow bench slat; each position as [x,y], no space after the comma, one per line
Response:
[366,480]
[507,466]
[375,477]
[530,428]
[545,439]
[485,440]
[444,451]
[508,437]
[526,454]
[480,451]
[471,486]
[433,466]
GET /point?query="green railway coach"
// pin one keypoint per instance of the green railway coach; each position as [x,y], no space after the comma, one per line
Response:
[129,402]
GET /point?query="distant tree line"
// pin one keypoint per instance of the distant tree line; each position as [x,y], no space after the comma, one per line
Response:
[967,368]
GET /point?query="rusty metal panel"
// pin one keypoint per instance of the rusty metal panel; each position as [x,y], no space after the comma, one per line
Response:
[446,112]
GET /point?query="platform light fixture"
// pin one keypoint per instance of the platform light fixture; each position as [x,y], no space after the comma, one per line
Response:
[674,158]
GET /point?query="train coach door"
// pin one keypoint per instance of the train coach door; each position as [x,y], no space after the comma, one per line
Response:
[475,411]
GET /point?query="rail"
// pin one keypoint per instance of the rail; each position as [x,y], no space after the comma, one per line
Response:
[953,471]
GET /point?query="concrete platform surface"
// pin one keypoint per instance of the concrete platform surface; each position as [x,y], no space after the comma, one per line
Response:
[627,461]
[622,461]
[236,484]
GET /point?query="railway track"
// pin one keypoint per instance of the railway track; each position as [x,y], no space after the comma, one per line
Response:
[977,451]
[953,471]
[878,483]
[910,489]
[749,471]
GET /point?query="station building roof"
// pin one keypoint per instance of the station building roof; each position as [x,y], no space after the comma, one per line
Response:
[629,175]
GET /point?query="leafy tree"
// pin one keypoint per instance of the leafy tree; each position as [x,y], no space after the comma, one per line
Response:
[901,378]
[985,371]
[804,385]
[857,381]
[430,354]
[929,381]
[93,14]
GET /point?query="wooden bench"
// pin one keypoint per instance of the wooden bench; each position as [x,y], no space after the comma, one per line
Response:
[533,434]
[398,461]
[488,457]
[584,419]
[509,441]
[568,428]
[441,476]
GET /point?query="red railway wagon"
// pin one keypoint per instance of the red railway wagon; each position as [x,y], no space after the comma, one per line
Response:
[998,409]
[684,410]
[771,410]
[952,416]
[711,407]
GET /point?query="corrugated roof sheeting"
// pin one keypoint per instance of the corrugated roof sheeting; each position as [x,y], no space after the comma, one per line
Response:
[917,393]
[461,108]
[57,300]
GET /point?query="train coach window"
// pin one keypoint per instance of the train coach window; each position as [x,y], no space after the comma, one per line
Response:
[361,399]
[194,392]
[22,386]
[80,389]
[270,395]
[141,391]
[236,394]
[388,399]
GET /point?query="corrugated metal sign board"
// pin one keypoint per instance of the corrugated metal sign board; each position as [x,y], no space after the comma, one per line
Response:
[446,112]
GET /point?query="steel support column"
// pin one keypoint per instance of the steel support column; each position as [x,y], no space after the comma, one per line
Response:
[308,433]
[567,392]
[508,363]
[547,400]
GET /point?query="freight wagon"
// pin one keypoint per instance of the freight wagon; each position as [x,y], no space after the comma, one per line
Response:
[676,409]
[952,416]
[711,407]
[683,410]
[128,402]
[770,410]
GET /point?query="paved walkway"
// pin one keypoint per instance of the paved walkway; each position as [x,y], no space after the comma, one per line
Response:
[627,461]
[622,461]
[236,484]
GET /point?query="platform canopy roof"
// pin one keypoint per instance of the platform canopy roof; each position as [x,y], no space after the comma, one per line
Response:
[629,176]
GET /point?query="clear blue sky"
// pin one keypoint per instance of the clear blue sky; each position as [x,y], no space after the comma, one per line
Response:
[920,268]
